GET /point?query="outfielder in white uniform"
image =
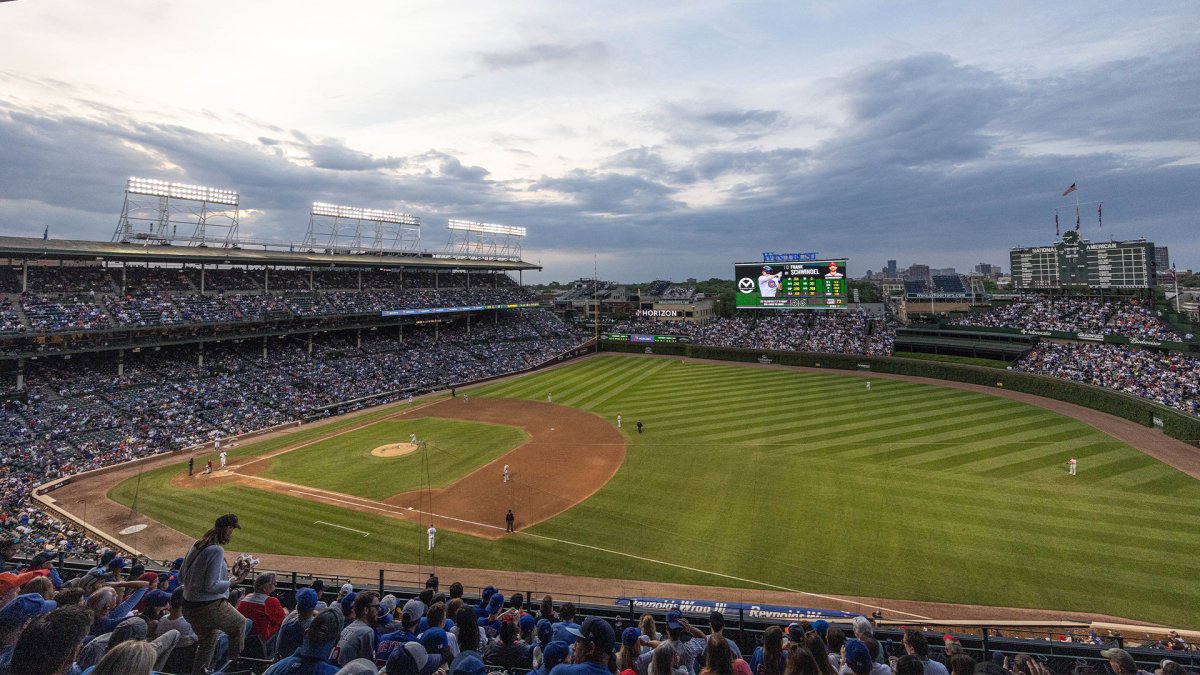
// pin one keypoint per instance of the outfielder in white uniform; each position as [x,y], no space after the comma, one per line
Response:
[618,421]
[868,385]
[549,397]
[1072,465]
[432,532]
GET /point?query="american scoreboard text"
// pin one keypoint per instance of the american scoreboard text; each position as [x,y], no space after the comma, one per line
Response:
[1083,264]
[791,285]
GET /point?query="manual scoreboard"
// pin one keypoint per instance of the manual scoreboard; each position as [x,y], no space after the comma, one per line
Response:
[1082,264]
[809,284]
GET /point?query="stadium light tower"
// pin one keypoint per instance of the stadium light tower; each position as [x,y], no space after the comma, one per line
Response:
[350,229]
[469,239]
[159,211]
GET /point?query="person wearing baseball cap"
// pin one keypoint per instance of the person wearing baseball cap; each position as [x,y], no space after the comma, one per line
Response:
[313,654]
[206,584]
[291,632]
[14,617]
[412,658]
[10,585]
[1120,661]
[687,640]
[595,641]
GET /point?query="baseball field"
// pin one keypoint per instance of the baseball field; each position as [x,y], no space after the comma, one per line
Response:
[744,476]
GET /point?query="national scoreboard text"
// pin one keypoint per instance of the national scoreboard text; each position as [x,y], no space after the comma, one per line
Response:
[810,284]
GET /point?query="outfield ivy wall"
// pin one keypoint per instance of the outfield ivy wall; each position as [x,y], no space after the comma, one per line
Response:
[1174,423]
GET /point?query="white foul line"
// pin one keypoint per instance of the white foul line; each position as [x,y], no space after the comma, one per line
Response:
[364,534]
[627,555]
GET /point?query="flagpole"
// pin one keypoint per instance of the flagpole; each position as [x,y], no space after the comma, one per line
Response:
[1175,277]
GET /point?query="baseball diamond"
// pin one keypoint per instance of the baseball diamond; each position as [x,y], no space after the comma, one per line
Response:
[822,486]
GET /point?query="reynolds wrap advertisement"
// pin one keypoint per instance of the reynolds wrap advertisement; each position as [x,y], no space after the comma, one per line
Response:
[702,608]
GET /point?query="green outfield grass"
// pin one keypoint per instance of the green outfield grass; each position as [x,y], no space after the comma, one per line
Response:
[344,463]
[806,480]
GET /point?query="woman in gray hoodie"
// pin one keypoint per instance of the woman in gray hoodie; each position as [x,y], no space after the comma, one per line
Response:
[206,583]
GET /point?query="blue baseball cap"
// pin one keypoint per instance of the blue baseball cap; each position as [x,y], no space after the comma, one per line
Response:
[156,598]
[495,602]
[630,636]
[544,631]
[555,653]
[858,657]
[348,602]
[306,598]
[673,618]
[526,622]
[412,659]
[469,665]
[23,608]
[434,640]
[599,631]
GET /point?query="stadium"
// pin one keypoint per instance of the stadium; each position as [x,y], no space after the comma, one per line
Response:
[376,414]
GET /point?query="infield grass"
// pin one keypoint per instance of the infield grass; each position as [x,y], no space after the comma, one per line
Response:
[807,481]
[345,464]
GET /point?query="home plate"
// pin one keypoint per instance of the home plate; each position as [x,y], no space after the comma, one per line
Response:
[134,529]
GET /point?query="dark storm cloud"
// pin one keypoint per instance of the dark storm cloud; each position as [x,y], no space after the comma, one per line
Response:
[544,54]
[744,119]
[926,110]
[605,193]
[338,157]
[1148,98]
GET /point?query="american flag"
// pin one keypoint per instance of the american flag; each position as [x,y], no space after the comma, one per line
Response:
[1070,190]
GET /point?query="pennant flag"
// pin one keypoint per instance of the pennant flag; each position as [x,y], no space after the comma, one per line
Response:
[1070,190]
[46,233]
[1100,214]
[1056,232]
[1076,218]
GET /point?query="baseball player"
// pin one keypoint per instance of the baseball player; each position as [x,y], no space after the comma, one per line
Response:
[1072,465]
[768,282]
[505,473]
[222,456]
[432,532]
[868,385]
[618,421]
[549,397]
[412,438]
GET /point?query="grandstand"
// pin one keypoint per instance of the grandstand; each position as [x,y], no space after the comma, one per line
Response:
[113,352]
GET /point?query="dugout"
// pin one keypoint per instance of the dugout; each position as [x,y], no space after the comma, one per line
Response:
[979,344]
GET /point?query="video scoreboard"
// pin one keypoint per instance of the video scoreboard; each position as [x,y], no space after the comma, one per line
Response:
[810,284]
[1082,264]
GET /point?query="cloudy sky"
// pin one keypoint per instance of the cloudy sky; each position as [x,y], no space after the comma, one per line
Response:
[657,139]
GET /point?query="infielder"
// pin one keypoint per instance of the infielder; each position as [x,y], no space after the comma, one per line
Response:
[505,473]
[549,397]
[222,456]
[618,421]
[412,438]
[432,532]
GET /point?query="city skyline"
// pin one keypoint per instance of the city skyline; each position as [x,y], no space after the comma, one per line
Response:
[669,141]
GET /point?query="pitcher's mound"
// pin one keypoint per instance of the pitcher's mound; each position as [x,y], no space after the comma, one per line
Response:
[394,450]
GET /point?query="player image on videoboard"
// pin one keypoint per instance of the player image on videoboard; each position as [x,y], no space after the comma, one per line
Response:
[810,284]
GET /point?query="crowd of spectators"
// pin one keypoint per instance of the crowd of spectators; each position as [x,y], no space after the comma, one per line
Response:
[837,333]
[1131,318]
[197,616]
[1170,378]
[48,314]
[80,413]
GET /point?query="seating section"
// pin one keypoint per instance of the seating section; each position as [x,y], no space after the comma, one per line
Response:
[89,410]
